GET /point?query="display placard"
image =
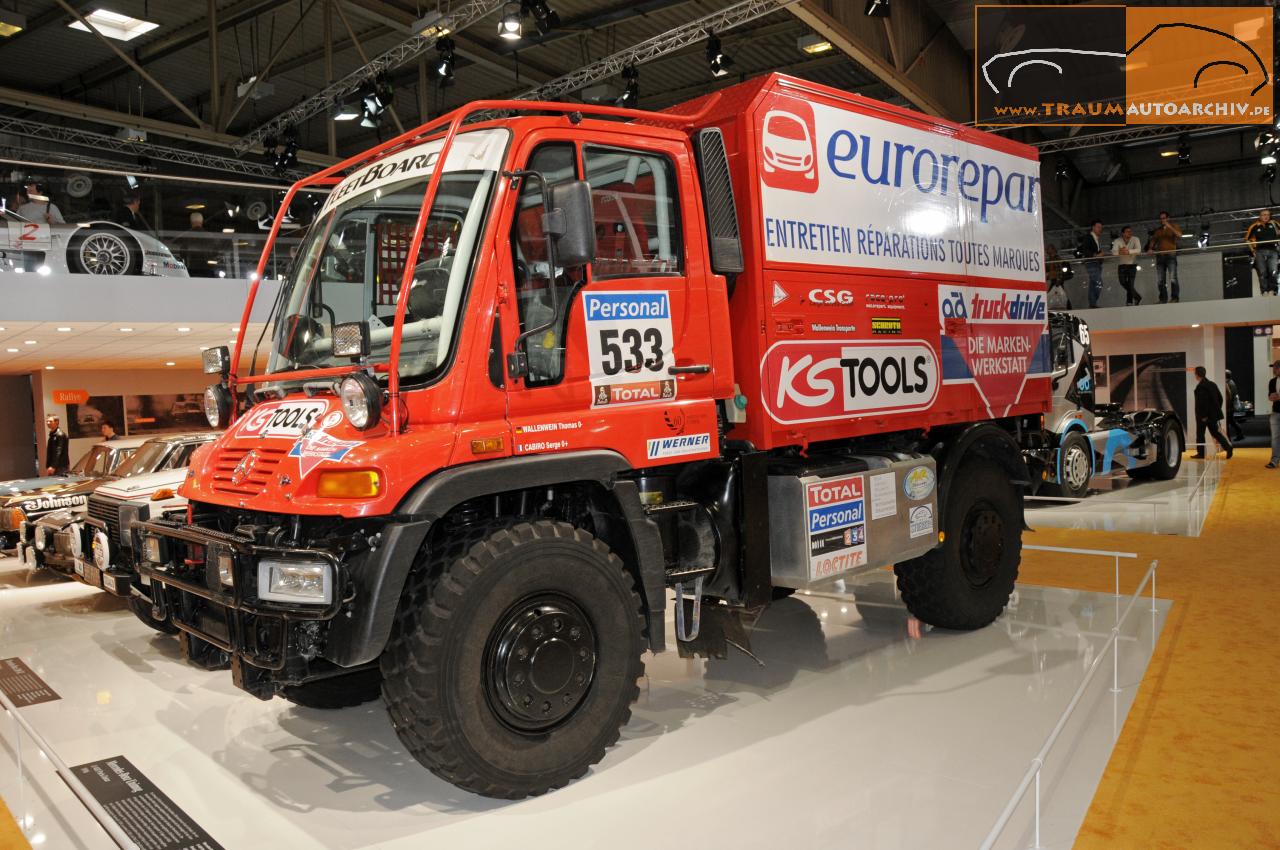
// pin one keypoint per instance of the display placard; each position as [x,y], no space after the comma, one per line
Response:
[22,685]
[143,811]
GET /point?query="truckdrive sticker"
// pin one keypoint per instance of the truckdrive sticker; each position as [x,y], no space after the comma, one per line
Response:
[944,205]
[994,339]
[289,419]
[817,380]
[315,447]
[835,513]
[629,343]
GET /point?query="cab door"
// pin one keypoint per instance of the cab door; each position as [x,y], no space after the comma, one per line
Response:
[619,354]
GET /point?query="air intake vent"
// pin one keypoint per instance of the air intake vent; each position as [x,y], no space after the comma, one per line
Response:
[717,197]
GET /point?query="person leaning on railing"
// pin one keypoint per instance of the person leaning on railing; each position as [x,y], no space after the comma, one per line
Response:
[1127,247]
[1164,242]
[1264,241]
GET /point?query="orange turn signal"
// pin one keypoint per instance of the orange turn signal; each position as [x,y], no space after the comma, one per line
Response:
[488,445]
[349,484]
[162,493]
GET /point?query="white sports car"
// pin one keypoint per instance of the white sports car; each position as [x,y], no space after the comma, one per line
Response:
[91,247]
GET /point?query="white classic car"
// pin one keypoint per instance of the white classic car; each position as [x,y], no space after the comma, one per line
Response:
[90,247]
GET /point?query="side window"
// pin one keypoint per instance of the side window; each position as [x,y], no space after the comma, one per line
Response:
[180,456]
[538,286]
[637,213]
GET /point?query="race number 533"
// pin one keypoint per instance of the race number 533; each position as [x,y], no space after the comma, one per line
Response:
[629,345]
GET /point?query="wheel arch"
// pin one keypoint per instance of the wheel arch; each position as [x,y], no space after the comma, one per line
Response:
[361,637]
[984,440]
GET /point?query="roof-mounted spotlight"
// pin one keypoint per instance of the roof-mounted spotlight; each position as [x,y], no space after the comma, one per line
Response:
[510,25]
[718,62]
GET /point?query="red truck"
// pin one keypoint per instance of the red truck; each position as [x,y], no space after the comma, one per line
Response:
[766,338]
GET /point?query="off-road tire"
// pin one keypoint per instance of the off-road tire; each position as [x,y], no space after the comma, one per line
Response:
[1075,447]
[965,582]
[337,692]
[1167,463]
[445,690]
[142,610]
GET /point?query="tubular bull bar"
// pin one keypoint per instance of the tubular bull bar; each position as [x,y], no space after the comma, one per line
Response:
[188,586]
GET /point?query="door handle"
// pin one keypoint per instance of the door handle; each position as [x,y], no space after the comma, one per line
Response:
[696,369]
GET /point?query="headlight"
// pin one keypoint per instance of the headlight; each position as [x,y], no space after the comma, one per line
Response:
[38,534]
[295,581]
[151,550]
[101,551]
[225,562]
[22,533]
[361,400]
[77,545]
[217,406]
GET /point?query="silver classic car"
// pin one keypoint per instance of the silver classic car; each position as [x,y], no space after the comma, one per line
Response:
[90,247]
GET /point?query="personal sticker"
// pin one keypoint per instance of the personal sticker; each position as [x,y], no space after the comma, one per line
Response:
[629,343]
[835,513]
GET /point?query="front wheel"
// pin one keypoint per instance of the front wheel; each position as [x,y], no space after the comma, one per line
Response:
[1075,467]
[965,582]
[513,663]
[105,252]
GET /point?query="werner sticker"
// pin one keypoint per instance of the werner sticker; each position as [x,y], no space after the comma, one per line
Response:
[835,513]
[817,380]
[629,342]
[289,419]
[684,444]
[995,339]
[315,447]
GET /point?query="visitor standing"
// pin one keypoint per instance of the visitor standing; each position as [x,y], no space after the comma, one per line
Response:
[56,460]
[1273,396]
[1091,251]
[1127,248]
[1263,237]
[1164,242]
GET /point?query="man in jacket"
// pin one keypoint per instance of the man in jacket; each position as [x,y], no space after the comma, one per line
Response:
[1164,241]
[1127,248]
[1234,431]
[1091,250]
[1273,396]
[55,453]
[1208,413]
[131,217]
[1264,241]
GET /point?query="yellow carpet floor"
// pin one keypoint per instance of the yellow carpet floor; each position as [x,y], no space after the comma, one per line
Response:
[1198,762]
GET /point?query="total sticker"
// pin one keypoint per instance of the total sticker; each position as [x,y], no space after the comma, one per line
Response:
[629,343]
[921,520]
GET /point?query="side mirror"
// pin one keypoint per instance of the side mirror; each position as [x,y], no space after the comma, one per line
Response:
[571,224]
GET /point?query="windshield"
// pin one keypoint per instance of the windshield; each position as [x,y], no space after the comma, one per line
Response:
[148,458]
[351,263]
[91,461]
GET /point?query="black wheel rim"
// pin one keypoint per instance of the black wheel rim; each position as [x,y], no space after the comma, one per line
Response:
[540,662]
[982,544]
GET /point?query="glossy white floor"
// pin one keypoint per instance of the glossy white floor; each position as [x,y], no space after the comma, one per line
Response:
[1118,503]
[848,733]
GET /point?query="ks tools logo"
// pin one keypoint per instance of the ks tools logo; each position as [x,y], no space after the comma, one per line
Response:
[1112,65]
[788,150]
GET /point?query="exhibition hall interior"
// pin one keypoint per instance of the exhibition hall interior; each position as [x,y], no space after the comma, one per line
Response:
[561,423]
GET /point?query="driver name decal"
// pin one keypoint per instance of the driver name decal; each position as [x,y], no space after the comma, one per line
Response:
[629,343]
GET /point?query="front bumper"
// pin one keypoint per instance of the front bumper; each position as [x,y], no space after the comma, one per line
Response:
[280,640]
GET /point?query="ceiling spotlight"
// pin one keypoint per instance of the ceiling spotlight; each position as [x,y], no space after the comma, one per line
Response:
[814,44]
[444,64]
[876,9]
[509,25]
[1060,173]
[11,23]
[1184,151]
[630,98]
[345,110]
[432,25]
[544,17]
[286,152]
[1269,174]
[375,99]
[716,59]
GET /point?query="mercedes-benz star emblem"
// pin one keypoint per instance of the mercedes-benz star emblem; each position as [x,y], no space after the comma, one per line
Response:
[241,472]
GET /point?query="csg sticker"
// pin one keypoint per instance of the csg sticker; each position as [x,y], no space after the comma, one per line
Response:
[918,483]
[289,419]
[921,520]
[629,343]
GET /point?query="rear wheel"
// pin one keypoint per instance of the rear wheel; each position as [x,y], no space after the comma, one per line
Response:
[516,668]
[142,609]
[1168,455]
[105,252]
[965,582]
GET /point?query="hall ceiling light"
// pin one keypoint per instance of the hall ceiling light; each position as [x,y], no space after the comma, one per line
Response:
[814,44]
[433,25]
[510,26]
[64,330]
[114,25]
[1168,153]
[345,111]
[544,17]
[12,350]
[184,330]
[170,363]
[717,61]
[11,23]
[126,330]
[876,9]
[28,342]
[50,368]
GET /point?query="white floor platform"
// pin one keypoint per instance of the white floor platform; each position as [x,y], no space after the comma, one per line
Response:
[1118,503]
[850,733]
